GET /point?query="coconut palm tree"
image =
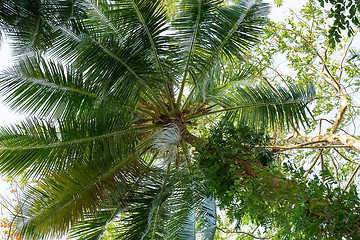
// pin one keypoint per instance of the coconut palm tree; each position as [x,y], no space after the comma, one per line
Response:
[114,90]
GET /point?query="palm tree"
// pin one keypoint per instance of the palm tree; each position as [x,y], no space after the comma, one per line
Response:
[114,86]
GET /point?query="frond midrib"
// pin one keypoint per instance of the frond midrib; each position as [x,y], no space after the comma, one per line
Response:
[231,32]
[193,38]
[77,141]
[150,37]
[103,17]
[254,105]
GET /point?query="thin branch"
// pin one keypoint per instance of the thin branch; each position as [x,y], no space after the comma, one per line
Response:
[316,52]
[270,85]
[347,159]
[283,148]
[345,54]
[352,176]
[313,164]
[248,234]
[323,119]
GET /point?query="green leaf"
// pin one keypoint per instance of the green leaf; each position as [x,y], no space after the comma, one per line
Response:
[264,107]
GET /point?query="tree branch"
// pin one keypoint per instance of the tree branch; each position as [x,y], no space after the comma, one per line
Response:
[328,140]
[248,234]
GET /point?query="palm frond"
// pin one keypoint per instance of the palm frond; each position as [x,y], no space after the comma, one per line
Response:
[46,88]
[163,207]
[93,226]
[151,16]
[58,201]
[207,216]
[111,41]
[215,30]
[32,24]
[263,106]
[38,146]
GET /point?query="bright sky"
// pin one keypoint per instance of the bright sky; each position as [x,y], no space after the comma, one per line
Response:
[6,116]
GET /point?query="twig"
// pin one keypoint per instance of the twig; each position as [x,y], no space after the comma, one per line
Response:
[300,146]
[347,159]
[249,234]
[345,54]
[270,85]
[352,176]
[313,164]
[316,52]
[323,119]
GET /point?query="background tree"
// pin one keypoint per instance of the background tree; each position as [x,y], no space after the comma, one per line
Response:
[345,14]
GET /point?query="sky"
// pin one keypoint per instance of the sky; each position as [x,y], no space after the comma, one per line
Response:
[6,115]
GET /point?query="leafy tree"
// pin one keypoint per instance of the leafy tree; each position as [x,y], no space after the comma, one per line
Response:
[345,14]
[119,144]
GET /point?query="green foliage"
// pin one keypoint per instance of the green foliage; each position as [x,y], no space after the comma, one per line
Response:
[103,76]
[345,14]
[280,108]
[226,149]
[287,209]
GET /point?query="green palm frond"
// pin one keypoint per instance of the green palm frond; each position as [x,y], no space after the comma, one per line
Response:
[57,202]
[118,40]
[263,106]
[93,226]
[46,88]
[163,207]
[151,17]
[37,147]
[223,76]
[207,216]
[32,24]
[214,29]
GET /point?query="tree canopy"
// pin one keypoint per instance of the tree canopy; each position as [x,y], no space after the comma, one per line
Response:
[154,119]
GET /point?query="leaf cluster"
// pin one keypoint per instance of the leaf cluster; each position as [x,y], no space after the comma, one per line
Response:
[294,209]
[344,13]
[229,145]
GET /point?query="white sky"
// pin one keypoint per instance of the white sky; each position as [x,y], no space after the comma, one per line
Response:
[6,115]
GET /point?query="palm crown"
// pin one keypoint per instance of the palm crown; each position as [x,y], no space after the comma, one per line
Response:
[113,84]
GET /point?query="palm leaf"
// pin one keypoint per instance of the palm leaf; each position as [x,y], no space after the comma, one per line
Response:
[213,30]
[207,216]
[58,201]
[165,206]
[263,106]
[47,88]
[32,24]
[93,226]
[151,16]
[37,146]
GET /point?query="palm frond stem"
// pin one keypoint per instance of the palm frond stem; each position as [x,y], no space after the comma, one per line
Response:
[193,37]
[102,16]
[187,100]
[153,115]
[216,52]
[154,50]
[170,98]
[157,200]
[154,98]
[81,140]
[143,23]
[198,115]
